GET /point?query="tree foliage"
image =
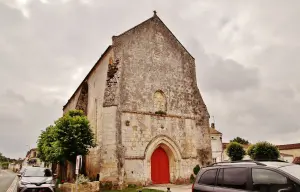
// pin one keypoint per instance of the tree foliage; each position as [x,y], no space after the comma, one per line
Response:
[48,146]
[2,158]
[196,169]
[250,150]
[263,151]
[235,151]
[71,135]
[6,159]
[240,141]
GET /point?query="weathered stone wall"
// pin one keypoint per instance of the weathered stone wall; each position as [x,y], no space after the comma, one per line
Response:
[151,60]
[93,106]
[150,72]
[72,102]
[96,113]
[144,128]
[87,187]
[108,154]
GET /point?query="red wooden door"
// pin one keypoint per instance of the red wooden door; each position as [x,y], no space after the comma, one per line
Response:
[160,167]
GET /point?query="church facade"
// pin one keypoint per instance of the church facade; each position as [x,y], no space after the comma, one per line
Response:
[150,122]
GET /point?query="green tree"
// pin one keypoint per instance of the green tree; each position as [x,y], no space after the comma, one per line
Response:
[240,141]
[250,150]
[70,136]
[49,149]
[1,157]
[235,151]
[263,151]
[73,135]
[196,169]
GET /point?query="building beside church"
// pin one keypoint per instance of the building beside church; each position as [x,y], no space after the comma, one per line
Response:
[216,144]
[288,152]
[150,122]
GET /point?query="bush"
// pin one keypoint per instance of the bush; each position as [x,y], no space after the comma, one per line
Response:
[235,151]
[192,178]
[264,151]
[4,165]
[196,169]
[240,141]
[82,179]
[132,186]
[250,150]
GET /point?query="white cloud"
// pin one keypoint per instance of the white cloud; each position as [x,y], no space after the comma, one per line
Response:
[247,55]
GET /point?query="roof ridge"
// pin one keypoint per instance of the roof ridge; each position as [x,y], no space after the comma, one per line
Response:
[156,16]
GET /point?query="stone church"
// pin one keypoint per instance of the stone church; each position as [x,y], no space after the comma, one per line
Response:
[141,97]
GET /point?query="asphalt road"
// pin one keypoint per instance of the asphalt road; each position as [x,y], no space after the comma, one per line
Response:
[6,179]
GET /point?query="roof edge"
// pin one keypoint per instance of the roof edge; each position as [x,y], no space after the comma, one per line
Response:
[175,37]
[156,16]
[88,75]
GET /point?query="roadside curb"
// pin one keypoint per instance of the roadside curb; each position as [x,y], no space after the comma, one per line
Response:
[13,185]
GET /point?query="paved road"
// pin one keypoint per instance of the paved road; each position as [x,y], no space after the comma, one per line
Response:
[173,188]
[6,179]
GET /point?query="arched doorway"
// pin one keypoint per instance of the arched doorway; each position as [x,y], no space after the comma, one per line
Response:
[160,172]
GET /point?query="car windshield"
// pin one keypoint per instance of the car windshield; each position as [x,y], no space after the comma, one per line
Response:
[37,172]
[293,170]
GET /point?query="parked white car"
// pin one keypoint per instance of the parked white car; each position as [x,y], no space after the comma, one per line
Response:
[36,179]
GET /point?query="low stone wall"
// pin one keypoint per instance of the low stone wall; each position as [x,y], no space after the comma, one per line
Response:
[87,187]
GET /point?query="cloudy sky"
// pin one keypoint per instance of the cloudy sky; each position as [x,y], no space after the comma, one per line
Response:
[247,55]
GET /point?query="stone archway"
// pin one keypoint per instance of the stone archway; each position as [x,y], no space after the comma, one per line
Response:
[171,150]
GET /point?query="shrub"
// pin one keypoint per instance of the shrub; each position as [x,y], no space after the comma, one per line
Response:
[192,178]
[132,186]
[106,185]
[235,151]
[196,169]
[4,165]
[250,150]
[264,151]
[82,179]
[240,141]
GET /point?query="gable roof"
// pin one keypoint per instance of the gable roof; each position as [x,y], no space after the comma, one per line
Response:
[289,146]
[88,75]
[156,17]
[214,131]
[109,47]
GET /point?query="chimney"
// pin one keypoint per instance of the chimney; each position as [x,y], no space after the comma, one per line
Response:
[212,125]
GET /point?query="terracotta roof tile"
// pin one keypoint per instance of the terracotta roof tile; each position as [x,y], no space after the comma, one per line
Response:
[296,160]
[289,146]
[214,131]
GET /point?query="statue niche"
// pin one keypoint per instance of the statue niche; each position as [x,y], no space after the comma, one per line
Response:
[160,102]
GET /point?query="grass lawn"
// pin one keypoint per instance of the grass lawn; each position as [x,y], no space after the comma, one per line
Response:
[135,190]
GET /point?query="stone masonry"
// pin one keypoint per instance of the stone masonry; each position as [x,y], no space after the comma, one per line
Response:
[142,94]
